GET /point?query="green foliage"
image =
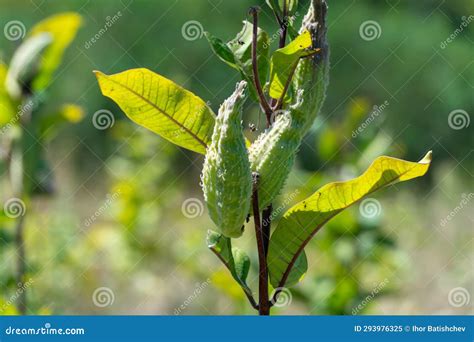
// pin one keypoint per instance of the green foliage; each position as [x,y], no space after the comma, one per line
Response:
[284,61]
[160,105]
[25,132]
[62,28]
[236,260]
[237,53]
[279,5]
[301,222]
[24,64]
[7,108]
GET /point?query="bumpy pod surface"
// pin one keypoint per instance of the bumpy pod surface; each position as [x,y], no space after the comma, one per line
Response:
[312,74]
[272,155]
[226,176]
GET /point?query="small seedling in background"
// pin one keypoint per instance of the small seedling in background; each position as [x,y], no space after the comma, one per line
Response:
[24,131]
[242,178]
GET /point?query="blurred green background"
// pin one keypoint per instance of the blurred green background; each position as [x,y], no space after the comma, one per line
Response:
[152,258]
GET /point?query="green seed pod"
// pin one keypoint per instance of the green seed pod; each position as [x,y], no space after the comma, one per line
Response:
[272,155]
[311,77]
[226,176]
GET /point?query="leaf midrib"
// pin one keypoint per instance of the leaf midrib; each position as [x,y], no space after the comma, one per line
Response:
[159,109]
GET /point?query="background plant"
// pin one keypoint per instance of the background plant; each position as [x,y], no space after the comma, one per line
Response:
[25,134]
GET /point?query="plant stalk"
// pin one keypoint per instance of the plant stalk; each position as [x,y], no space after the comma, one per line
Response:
[256,79]
[17,177]
[283,26]
[21,265]
[263,300]
[266,224]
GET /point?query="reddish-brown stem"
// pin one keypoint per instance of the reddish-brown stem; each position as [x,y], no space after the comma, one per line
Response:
[283,26]
[256,79]
[266,224]
[263,300]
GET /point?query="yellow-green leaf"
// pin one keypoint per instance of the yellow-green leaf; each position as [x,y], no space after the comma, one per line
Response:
[284,62]
[7,109]
[302,221]
[63,28]
[162,106]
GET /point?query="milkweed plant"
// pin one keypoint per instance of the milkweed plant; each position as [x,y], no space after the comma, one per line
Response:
[240,179]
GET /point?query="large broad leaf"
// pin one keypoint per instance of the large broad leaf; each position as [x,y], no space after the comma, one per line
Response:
[237,53]
[162,106]
[284,62]
[236,260]
[63,28]
[302,221]
[7,109]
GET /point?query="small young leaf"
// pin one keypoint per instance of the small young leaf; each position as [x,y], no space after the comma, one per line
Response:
[162,106]
[221,50]
[277,5]
[236,260]
[284,62]
[303,221]
[237,53]
[63,28]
